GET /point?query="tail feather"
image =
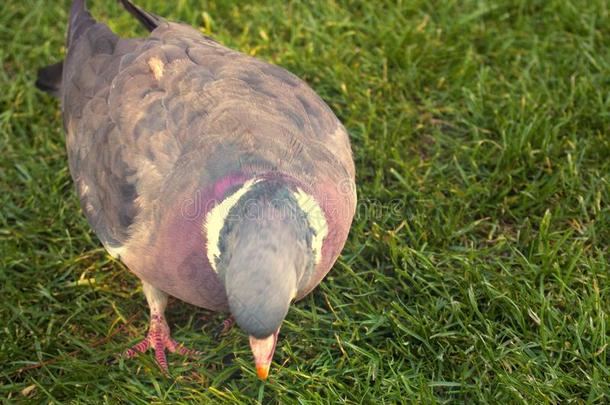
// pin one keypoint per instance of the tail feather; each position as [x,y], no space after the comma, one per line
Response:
[49,78]
[150,21]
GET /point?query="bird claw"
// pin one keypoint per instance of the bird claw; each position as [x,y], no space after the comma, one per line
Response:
[224,327]
[159,339]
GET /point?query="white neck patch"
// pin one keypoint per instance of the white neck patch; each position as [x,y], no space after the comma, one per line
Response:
[215,220]
[316,219]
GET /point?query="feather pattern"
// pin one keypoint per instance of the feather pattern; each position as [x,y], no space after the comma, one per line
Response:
[160,130]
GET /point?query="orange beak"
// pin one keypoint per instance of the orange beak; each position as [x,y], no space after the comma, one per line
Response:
[262,371]
[263,350]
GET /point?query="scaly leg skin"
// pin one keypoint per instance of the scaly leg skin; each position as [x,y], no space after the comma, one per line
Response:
[158,337]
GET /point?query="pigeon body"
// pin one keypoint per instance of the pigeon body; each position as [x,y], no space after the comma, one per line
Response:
[215,177]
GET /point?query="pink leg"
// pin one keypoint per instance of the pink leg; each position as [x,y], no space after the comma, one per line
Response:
[158,337]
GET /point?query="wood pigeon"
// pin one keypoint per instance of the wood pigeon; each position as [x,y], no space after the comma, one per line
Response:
[215,177]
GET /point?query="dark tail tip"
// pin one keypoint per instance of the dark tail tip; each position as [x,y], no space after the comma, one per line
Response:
[148,20]
[49,78]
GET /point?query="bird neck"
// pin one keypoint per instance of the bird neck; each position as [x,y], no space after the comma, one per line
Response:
[265,256]
[263,203]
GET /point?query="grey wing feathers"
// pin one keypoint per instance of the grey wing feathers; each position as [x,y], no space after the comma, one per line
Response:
[80,20]
[98,158]
[50,77]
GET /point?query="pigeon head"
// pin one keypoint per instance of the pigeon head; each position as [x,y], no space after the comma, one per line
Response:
[265,256]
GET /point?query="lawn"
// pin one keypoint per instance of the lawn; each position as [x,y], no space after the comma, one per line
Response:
[477,269]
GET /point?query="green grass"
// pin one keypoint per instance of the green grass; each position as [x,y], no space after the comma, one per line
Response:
[477,267]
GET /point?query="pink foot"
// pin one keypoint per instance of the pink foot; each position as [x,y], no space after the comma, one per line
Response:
[224,327]
[159,339]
